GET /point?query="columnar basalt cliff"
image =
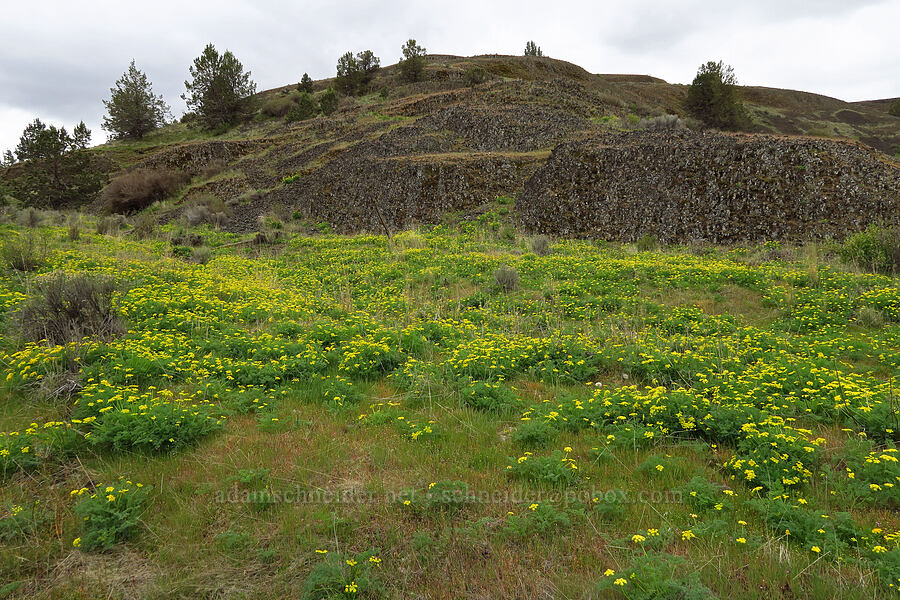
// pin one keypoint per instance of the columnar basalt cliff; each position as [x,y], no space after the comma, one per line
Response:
[563,138]
[715,187]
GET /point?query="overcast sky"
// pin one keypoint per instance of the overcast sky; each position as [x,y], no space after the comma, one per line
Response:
[59,59]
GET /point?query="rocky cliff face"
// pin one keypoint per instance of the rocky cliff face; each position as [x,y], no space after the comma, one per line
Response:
[713,187]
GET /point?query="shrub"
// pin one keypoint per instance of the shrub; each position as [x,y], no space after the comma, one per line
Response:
[662,123]
[20,521]
[610,505]
[108,515]
[158,427]
[410,240]
[870,318]
[110,225]
[534,434]
[541,245]
[474,76]
[876,249]
[538,519]
[202,255]
[555,470]
[305,108]
[74,232]
[713,97]
[328,101]
[343,576]
[144,225]
[507,278]
[24,253]
[488,396]
[139,189]
[647,243]
[68,307]
[895,108]
[656,575]
[439,496]
[29,218]
[278,106]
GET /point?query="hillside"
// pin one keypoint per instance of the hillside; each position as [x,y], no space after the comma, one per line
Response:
[426,150]
[247,390]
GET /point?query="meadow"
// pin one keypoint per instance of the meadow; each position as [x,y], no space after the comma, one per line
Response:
[451,413]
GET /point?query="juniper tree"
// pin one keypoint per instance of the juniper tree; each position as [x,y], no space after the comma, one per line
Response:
[713,97]
[220,91]
[306,84]
[413,63]
[532,49]
[133,110]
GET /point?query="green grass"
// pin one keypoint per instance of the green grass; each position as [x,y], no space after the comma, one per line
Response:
[362,358]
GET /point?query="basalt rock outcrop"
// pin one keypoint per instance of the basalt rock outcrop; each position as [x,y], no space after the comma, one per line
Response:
[714,187]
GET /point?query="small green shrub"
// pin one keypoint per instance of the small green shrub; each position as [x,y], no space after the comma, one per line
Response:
[610,505]
[69,307]
[344,576]
[474,76]
[144,225]
[507,278]
[703,495]
[24,253]
[895,108]
[870,318]
[541,245]
[539,519]
[278,106]
[410,240]
[876,249]
[29,217]
[558,469]
[162,426]
[655,575]
[110,225]
[534,434]
[489,396]
[202,255]
[305,108]
[661,123]
[437,497]
[18,522]
[328,101]
[108,515]
[74,232]
[647,243]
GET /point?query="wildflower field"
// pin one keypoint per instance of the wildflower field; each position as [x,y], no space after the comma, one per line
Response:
[357,417]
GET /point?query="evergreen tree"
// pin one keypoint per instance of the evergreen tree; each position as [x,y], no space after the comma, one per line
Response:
[305,108]
[713,97]
[220,91]
[306,84]
[81,136]
[59,172]
[328,101]
[132,109]
[412,66]
[532,49]
[354,73]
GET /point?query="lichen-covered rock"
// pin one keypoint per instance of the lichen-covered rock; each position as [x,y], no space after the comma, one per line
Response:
[714,187]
